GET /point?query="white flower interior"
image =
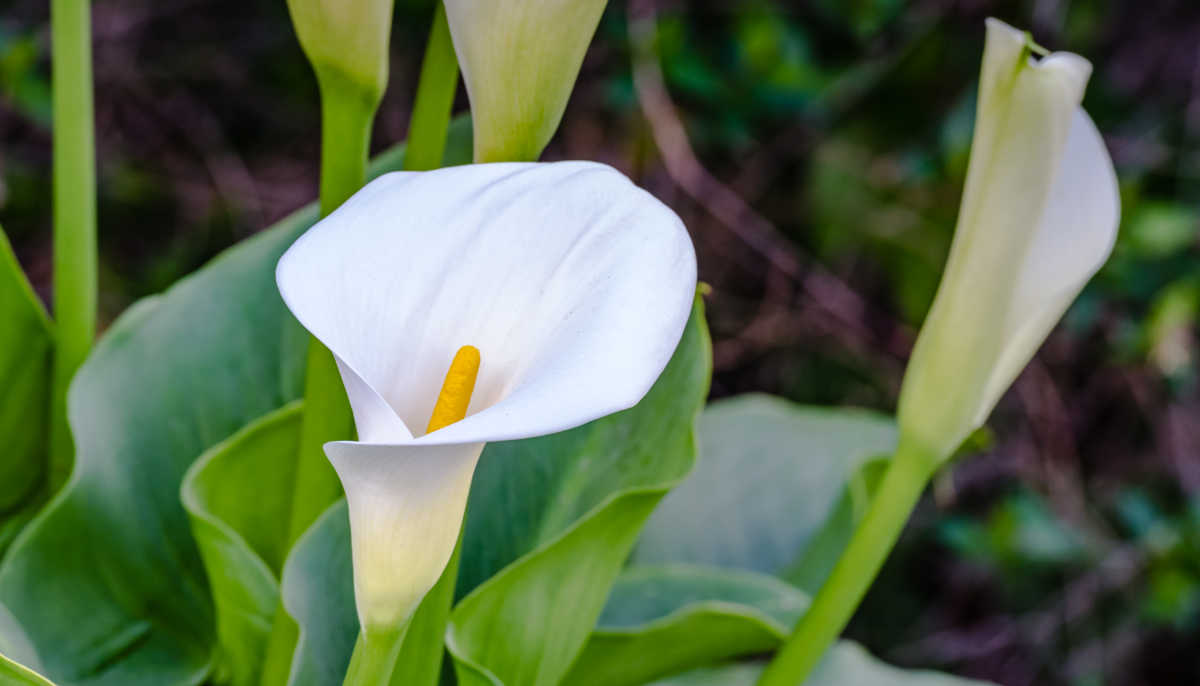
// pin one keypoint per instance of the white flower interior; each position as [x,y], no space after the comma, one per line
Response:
[555,272]
[573,284]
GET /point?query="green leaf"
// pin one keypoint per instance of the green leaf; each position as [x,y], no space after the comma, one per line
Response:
[318,592]
[107,581]
[551,521]
[667,619]
[767,485]
[113,555]
[731,675]
[26,344]
[18,661]
[14,643]
[850,663]
[822,549]
[846,664]
[15,674]
[241,525]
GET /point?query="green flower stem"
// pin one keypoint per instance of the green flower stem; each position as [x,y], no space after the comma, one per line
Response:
[281,645]
[905,480]
[374,657]
[74,215]
[345,136]
[327,417]
[346,118]
[434,99]
[422,652]
[347,114]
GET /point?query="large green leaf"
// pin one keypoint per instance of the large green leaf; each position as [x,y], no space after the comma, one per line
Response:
[14,644]
[823,548]
[847,664]
[26,344]
[669,619]
[551,521]
[318,592]
[662,620]
[241,525]
[13,673]
[107,581]
[850,663]
[730,675]
[773,478]
[18,661]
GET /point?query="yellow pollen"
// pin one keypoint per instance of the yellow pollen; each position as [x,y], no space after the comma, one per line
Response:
[456,392]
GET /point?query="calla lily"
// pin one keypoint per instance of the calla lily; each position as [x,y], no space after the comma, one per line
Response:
[519,59]
[346,39]
[1038,218]
[573,285]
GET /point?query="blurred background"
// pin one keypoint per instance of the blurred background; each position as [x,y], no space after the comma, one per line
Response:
[816,151]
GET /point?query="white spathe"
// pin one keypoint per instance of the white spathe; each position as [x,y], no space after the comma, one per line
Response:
[575,286]
[519,61]
[1038,218]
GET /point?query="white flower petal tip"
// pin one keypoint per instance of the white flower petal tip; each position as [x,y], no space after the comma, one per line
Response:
[1039,217]
[519,62]
[574,285]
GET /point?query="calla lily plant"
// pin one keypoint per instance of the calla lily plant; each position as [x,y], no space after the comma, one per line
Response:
[1038,217]
[483,303]
[553,293]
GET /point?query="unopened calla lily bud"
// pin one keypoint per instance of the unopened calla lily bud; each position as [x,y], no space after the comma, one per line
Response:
[1038,218]
[346,41]
[519,59]
[474,304]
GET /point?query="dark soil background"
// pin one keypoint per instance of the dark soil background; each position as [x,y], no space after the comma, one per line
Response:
[825,148]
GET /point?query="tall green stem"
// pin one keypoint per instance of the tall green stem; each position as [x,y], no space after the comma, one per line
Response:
[434,99]
[374,657]
[418,661]
[281,645]
[346,119]
[346,123]
[839,597]
[74,214]
[347,114]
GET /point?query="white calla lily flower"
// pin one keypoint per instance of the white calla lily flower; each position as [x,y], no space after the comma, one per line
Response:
[573,285]
[1038,218]
[519,60]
